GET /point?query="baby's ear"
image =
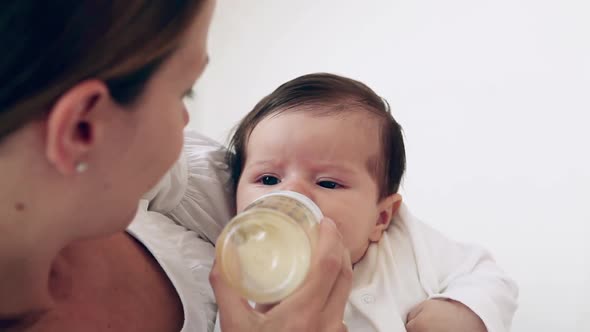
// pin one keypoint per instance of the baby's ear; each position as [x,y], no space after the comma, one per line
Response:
[387,207]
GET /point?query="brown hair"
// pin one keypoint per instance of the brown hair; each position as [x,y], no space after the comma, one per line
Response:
[49,46]
[333,94]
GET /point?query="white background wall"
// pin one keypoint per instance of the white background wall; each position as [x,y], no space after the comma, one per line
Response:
[494,97]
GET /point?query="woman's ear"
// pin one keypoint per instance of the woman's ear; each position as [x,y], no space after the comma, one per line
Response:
[388,207]
[73,125]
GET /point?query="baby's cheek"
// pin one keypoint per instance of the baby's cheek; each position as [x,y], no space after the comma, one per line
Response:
[242,197]
[355,247]
[345,229]
[357,254]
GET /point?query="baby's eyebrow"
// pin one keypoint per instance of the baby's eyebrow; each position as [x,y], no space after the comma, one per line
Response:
[261,164]
[342,169]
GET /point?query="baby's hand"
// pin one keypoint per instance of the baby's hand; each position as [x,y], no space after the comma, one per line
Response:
[441,315]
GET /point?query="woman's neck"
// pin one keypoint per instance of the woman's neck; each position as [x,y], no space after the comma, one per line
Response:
[31,212]
[25,261]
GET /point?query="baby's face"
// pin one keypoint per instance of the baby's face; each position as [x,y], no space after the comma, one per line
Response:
[325,158]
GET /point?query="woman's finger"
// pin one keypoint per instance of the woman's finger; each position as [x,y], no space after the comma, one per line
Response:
[234,311]
[317,305]
[333,313]
[264,308]
[325,269]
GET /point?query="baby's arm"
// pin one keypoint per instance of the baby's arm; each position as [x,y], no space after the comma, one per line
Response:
[471,288]
[438,315]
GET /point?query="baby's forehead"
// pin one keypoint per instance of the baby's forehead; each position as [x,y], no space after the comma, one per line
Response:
[368,126]
[342,127]
[354,119]
[364,118]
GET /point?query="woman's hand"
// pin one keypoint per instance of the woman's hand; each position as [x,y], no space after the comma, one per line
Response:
[318,305]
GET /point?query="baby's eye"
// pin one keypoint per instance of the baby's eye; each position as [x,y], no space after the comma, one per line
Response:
[269,180]
[329,184]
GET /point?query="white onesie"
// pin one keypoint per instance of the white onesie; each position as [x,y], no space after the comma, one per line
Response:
[411,263]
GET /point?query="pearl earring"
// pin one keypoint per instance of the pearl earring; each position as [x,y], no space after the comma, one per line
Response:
[81,167]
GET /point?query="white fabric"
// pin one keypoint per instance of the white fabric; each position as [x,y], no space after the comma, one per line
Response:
[197,191]
[386,284]
[412,263]
[185,258]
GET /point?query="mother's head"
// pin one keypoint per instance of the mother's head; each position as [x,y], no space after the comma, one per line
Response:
[91,116]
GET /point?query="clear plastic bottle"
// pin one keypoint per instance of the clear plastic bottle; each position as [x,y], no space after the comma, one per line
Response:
[265,251]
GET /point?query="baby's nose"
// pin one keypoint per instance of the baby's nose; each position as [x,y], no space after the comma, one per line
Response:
[300,187]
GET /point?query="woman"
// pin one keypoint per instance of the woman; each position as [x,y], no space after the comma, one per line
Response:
[91,117]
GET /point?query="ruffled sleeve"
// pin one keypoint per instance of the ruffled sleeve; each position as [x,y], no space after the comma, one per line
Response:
[197,192]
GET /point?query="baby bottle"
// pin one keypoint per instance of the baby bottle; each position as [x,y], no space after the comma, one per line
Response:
[265,251]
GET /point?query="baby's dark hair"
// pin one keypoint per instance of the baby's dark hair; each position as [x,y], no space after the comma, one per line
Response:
[327,94]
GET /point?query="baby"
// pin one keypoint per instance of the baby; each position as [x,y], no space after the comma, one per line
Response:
[334,140]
